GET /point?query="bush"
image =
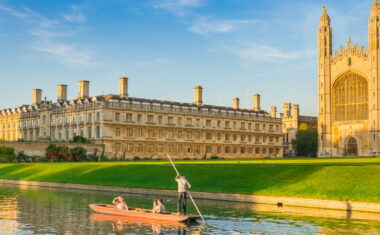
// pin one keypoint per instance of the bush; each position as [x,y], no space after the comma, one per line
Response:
[78,154]
[22,157]
[136,158]
[80,140]
[7,154]
[214,157]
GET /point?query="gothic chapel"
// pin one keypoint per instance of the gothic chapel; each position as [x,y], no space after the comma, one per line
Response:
[349,92]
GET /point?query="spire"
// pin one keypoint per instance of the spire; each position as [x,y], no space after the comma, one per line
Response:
[375,6]
[325,17]
[349,42]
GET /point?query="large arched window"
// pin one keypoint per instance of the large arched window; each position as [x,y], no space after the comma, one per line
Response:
[350,98]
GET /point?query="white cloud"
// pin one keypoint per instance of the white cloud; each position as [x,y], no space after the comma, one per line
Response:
[49,35]
[206,26]
[255,52]
[178,7]
[75,16]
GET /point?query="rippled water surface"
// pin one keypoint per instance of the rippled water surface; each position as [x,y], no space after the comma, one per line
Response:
[57,211]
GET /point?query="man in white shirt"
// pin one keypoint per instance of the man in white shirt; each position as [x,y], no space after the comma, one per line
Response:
[183,187]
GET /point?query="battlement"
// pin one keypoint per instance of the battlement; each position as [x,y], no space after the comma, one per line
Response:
[362,52]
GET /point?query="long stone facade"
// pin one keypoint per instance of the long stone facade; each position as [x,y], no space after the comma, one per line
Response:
[348,89]
[148,128]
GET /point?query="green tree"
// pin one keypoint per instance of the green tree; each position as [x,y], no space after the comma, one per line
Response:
[80,140]
[306,141]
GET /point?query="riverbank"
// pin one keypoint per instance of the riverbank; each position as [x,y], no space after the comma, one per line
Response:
[359,182]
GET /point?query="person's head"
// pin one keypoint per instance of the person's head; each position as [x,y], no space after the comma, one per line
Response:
[155,202]
[120,199]
[183,177]
[160,202]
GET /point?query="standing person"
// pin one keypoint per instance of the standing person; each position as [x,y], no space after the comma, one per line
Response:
[183,187]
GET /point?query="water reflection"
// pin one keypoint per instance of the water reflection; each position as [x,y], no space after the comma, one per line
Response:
[49,211]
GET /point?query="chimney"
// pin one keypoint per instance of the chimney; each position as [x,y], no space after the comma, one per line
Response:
[287,111]
[198,100]
[61,92]
[273,111]
[37,96]
[256,102]
[236,103]
[84,89]
[123,87]
[296,111]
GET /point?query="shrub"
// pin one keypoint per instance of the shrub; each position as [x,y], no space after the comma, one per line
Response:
[136,158]
[80,140]
[214,157]
[7,154]
[78,154]
[22,157]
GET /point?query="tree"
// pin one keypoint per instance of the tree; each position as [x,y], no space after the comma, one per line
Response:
[80,140]
[306,141]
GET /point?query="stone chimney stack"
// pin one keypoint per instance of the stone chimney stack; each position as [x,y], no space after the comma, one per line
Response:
[123,87]
[273,111]
[61,92]
[287,111]
[296,111]
[236,103]
[84,89]
[198,95]
[37,96]
[256,102]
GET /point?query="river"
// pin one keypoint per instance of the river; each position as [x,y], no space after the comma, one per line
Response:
[31,210]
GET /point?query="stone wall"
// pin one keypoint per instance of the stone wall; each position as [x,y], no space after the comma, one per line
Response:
[38,148]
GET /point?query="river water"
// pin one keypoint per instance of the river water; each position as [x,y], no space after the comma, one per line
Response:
[57,211]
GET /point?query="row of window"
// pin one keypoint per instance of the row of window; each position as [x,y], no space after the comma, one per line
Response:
[171,120]
[129,132]
[189,149]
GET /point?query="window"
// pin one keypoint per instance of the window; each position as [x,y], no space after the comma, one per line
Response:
[270,127]
[97,116]
[208,149]
[257,150]
[139,117]
[227,149]
[128,117]
[234,125]
[159,119]
[264,127]
[208,136]
[117,116]
[89,132]
[208,123]
[235,137]
[150,118]
[129,148]
[227,137]
[189,135]
[257,139]
[89,117]
[271,139]
[242,150]
[170,120]
[179,121]
[97,132]
[198,122]
[189,121]
[218,136]
[219,149]
[257,126]
[129,132]
[242,138]
[249,126]
[170,134]
[242,125]
[227,124]
[117,132]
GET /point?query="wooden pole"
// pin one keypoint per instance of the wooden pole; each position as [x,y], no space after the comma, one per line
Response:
[195,205]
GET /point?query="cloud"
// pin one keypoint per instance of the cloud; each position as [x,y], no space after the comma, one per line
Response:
[49,35]
[206,26]
[76,16]
[151,63]
[255,52]
[178,7]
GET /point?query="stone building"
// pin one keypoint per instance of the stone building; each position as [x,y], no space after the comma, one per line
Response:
[348,89]
[129,126]
[291,121]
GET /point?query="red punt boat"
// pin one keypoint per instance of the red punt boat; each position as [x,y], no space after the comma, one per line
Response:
[142,214]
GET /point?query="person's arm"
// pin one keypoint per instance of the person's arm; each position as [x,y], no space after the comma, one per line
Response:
[188,184]
[114,200]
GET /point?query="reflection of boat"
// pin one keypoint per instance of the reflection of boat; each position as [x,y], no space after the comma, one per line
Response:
[124,219]
[142,214]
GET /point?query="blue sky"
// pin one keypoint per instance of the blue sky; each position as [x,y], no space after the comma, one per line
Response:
[233,48]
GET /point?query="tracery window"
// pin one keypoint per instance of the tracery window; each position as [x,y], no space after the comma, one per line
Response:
[350,98]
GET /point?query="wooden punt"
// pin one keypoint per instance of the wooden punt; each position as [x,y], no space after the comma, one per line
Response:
[142,213]
[132,220]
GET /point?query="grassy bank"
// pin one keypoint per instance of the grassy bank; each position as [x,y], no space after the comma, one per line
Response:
[355,180]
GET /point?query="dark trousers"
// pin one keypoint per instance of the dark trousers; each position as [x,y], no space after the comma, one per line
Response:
[181,205]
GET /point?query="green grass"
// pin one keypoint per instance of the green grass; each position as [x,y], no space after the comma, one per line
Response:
[353,179]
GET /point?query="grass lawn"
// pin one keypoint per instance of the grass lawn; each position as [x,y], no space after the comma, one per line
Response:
[353,179]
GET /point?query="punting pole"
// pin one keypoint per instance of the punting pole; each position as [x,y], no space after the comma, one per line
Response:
[195,205]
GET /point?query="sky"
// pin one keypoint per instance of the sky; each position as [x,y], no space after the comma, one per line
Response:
[232,48]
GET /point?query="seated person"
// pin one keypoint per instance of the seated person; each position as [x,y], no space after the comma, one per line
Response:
[120,203]
[159,207]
